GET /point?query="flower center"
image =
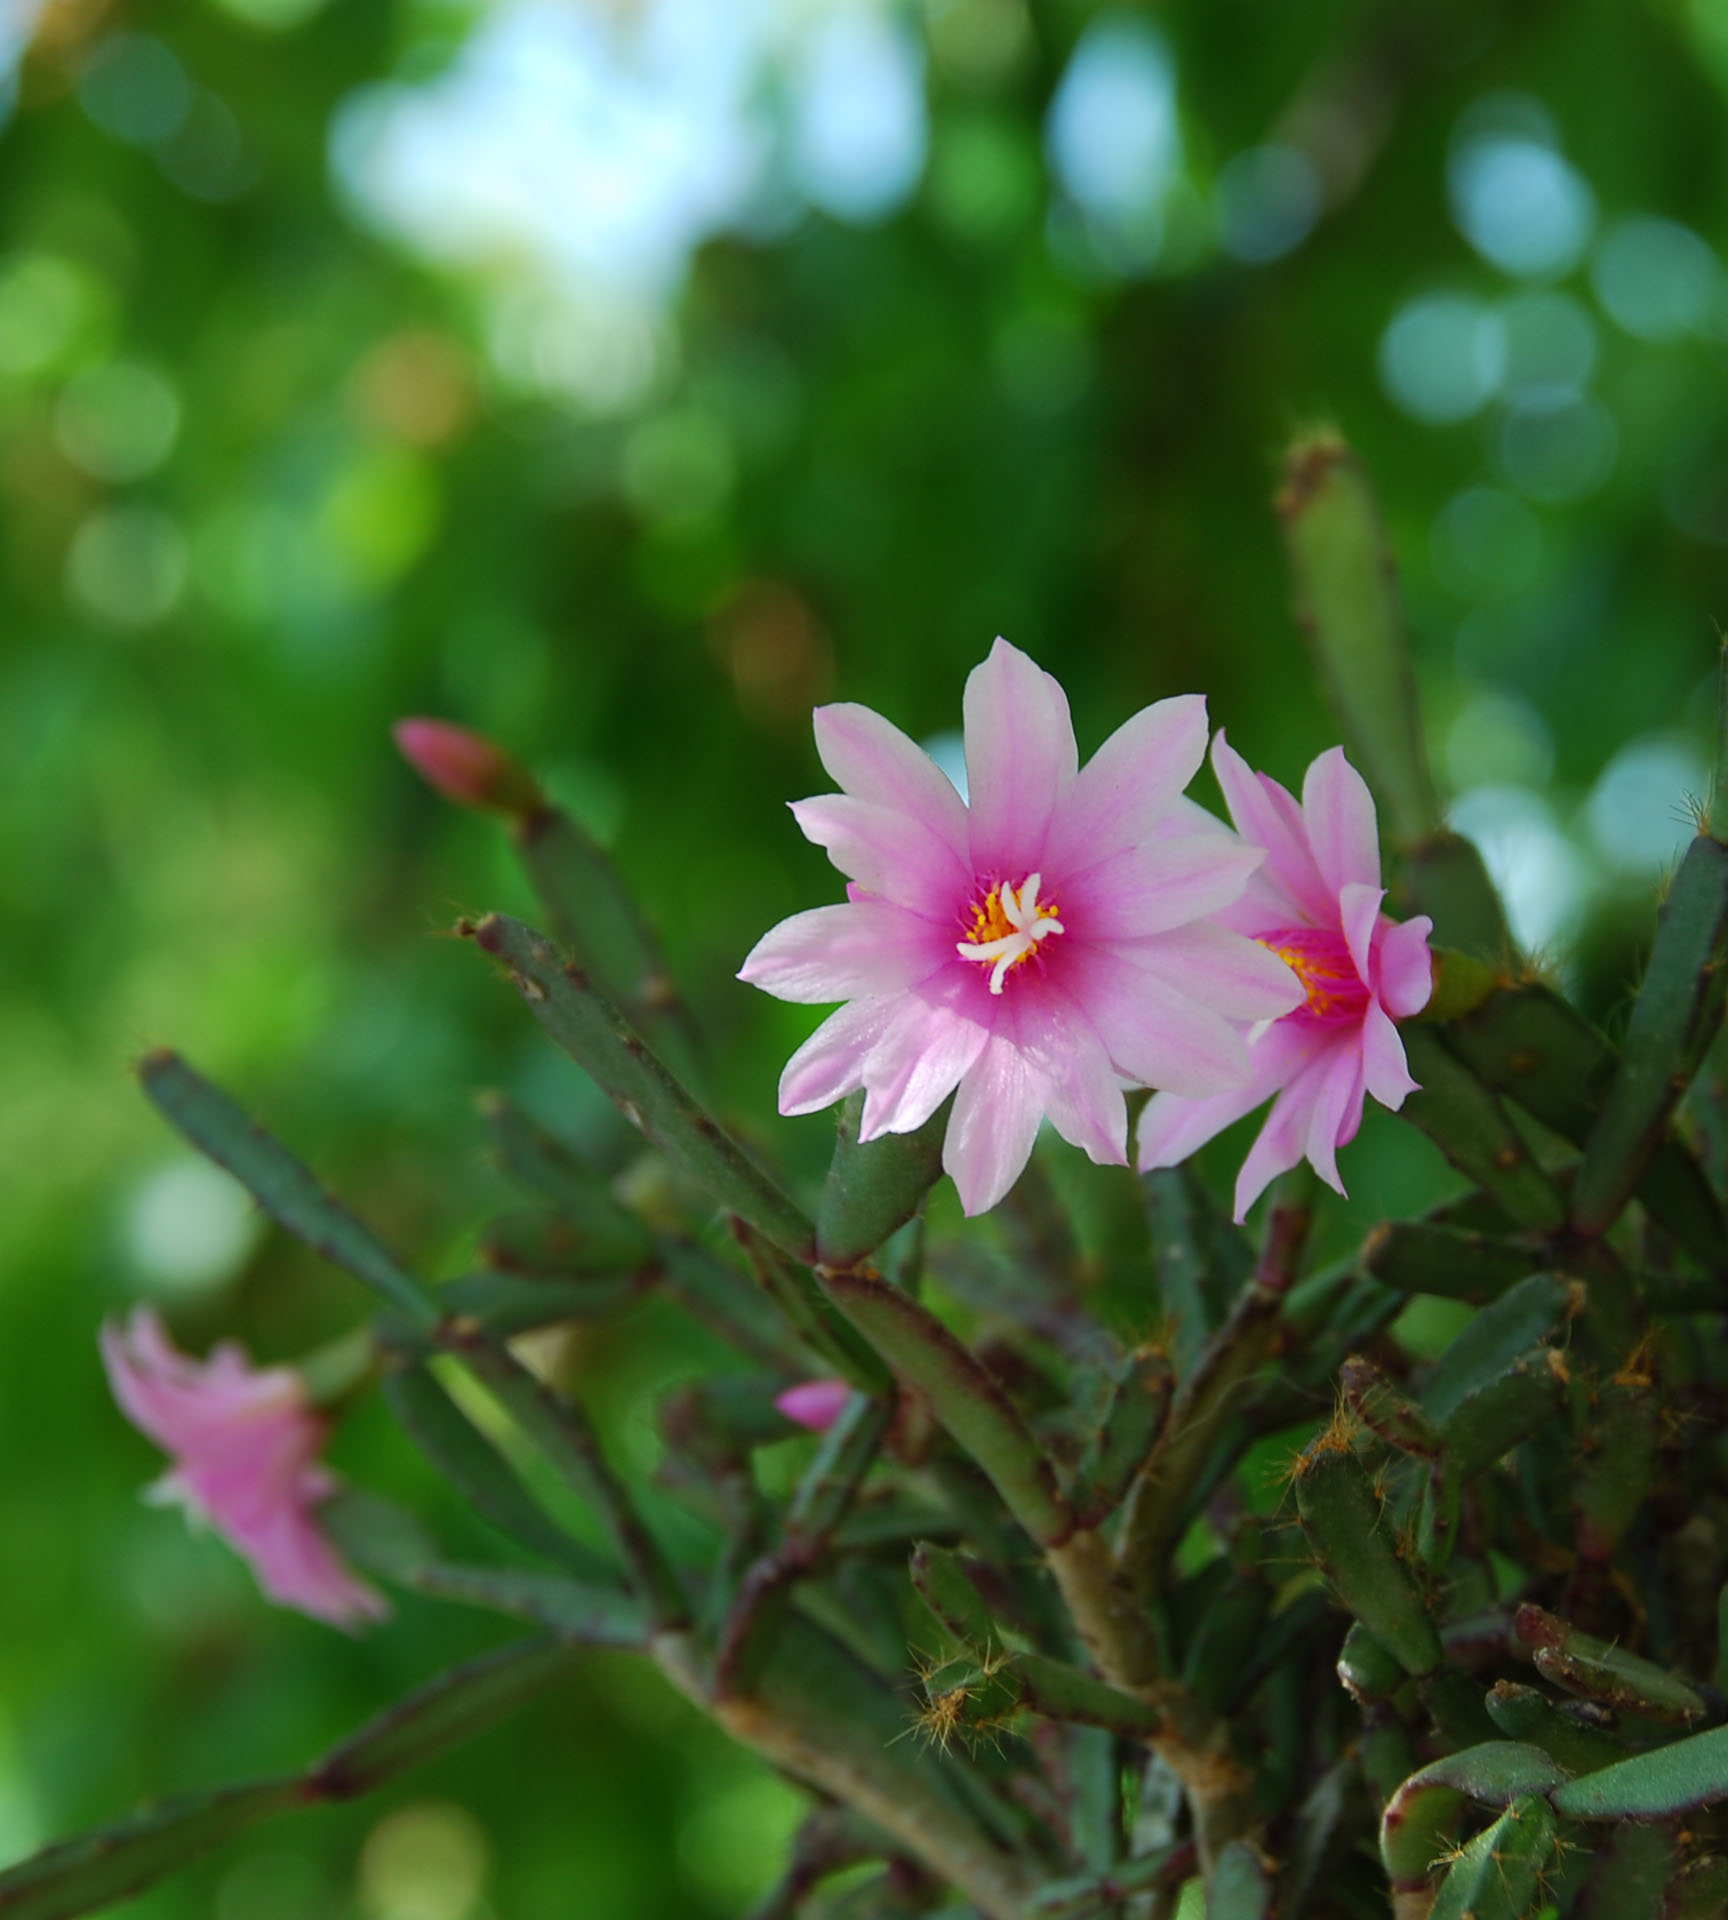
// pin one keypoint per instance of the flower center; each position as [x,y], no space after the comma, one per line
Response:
[1006,927]
[1322,962]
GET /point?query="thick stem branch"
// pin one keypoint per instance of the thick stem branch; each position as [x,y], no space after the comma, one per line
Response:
[861,1778]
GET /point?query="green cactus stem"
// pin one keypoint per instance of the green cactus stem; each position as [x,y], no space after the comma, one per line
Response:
[1677,1778]
[596,917]
[1595,1670]
[284,1188]
[599,1039]
[112,1863]
[478,1471]
[874,1186]
[1499,1875]
[1471,1128]
[1352,1538]
[976,1412]
[1124,1437]
[561,1432]
[1346,594]
[1527,1714]
[1675,1017]
[1422,1256]
[1525,1042]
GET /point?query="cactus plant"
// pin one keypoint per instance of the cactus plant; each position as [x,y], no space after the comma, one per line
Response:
[1466,1659]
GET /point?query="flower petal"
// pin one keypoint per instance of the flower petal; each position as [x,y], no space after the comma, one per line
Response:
[1280,1143]
[1385,1070]
[830,1064]
[1082,1095]
[935,1036]
[994,1123]
[1129,785]
[1156,886]
[1339,813]
[1232,975]
[1406,967]
[1266,816]
[1336,1109]
[1155,1036]
[889,853]
[1020,761]
[871,759]
[1359,915]
[846,953]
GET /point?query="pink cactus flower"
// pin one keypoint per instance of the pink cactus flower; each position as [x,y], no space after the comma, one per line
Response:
[815,1404]
[1316,904]
[1028,952]
[244,1444]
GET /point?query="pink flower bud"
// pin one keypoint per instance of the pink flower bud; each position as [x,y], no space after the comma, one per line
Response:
[466,767]
[244,1443]
[815,1404]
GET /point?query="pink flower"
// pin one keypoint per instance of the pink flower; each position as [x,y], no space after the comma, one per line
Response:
[815,1404]
[1316,904]
[1033,949]
[244,1444]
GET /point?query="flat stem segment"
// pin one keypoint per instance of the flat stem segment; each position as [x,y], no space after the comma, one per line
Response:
[858,1777]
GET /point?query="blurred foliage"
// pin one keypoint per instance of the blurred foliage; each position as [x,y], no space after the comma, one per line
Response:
[268,480]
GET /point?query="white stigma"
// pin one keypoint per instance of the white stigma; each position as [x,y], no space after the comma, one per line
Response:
[1022,915]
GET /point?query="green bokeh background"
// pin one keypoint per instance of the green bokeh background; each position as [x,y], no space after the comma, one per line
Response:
[869,446]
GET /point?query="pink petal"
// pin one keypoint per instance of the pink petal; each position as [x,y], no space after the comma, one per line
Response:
[1406,967]
[1359,915]
[871,759]
[1154,1036]
[1386,1072]
[846,953]
[1281,1142]
[1082,1095]
[938,1031]
[815,1404]
[1266,816]
[1020,761]
[1232,975]
[831,1062]
[1339,812]
[1336,1109]
[993,1125]
[890,853]
[1172,1128]
[1153,887]
[1129,785]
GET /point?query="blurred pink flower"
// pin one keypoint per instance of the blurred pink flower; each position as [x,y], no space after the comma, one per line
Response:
[1316,904]
[815,1404]
[244,1443]
[1034,949]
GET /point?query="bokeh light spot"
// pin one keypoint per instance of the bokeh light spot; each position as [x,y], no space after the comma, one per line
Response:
[1114,137]
[135,88]
[1637,811]
[1443,357]
[859,130]
[117,421]
[1558,453]
[1485,542]
[1499,740]
[1655,278]
[126,566]
[426,1862]
[1550,347]
[189,1228]
[1513,195]
[1267,201]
